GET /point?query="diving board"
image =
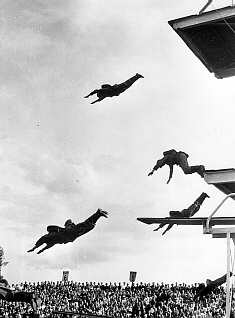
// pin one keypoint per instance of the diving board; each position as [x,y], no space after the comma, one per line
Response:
[207,222]
[222,179]
[189,221]
[211,37]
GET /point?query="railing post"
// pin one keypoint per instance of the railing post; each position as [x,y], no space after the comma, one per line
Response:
[213,213]
[228,278]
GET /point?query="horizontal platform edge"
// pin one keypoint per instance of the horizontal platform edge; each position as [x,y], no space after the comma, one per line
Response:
[189,221]
[197,19]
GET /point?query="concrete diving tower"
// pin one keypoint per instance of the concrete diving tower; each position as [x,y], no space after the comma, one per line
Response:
[211,37]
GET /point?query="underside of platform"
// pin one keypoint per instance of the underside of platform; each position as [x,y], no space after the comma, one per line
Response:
[223,235]
[222,179]
[211,37]
[189,221]
[222,232]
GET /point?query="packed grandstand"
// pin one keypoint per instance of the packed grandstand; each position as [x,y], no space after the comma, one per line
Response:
[62,299]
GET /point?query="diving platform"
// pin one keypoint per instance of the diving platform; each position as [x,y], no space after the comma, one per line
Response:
[211,37]
[222,179]
[189,221]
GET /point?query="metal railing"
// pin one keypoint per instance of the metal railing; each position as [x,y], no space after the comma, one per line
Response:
[216,209]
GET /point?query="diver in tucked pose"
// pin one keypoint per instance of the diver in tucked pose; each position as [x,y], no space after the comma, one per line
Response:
[108,90]
[178,158]
[10,295]
[186,213]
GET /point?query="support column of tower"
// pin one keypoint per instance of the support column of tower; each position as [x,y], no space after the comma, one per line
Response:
[228,309]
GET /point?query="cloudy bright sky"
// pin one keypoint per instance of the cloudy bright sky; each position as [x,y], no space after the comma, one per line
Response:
[61,157]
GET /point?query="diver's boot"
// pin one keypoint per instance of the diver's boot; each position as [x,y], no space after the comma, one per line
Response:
[195,207]
[201,198]
[103,213]
[139,75]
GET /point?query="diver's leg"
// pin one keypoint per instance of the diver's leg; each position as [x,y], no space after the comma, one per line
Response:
[92,93]
[89,224]
[94,217]
[175,214]
[219,281]
[45,248]
[194,208]
[200,169]
[183,163]
[32,249]
[161,225]
[160,163]
[125,85]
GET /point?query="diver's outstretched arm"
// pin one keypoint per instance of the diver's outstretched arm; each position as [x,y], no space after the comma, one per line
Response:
[92,93]
[160,226]
[32,249]
[45,248]
[98,100]
[205,6]
[38,244]
[160,163]
[171,173]
[151,172]
[168,228]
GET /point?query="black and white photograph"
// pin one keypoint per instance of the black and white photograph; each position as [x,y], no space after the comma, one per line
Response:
[117,159]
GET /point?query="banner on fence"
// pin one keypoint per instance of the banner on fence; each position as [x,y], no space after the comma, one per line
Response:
[65,276]
[132,276]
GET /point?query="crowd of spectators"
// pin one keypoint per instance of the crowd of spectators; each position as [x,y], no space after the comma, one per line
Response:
[117,300]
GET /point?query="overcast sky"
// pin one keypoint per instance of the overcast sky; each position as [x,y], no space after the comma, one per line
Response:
[61,157]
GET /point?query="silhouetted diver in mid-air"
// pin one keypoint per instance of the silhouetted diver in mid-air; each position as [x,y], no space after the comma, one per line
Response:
[204,290]
[108,90]
[179,158]
[71,231]
[11,295]
[186,213]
